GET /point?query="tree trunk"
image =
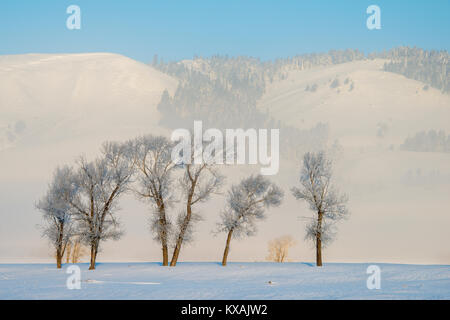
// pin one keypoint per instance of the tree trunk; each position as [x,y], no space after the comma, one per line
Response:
[59,247]
[93,256]
[163,236]
[68,252]
[176,251]
[179,242]
[58,259]
[319,240]
[318,251]
[227,248]
[165,254]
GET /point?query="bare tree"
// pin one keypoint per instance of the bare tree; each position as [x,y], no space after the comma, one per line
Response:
[279,248]
[323,198]
[74,250]
[78,250]
[101,183]
[68,251]
[198,183]
[56,209]
[152,157]
[246,204]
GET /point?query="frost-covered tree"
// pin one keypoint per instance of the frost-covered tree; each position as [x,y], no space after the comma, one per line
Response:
[152,157]
[198,183]
[245,205]
[56,209]
[101,182]
[317,189]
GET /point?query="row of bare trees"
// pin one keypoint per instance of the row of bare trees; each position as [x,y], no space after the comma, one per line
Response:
[81,204]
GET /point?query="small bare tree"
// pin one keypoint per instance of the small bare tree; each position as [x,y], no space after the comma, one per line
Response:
[279,248]
[56,209]
[246,204]
[68,251]
[74,251]
[78,250]
[323,198]
[101,183]
[152,157]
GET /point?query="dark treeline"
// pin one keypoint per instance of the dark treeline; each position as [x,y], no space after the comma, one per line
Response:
[430,67]
[431,141]
[223,91]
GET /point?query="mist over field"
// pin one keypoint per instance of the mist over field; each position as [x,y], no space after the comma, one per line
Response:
[386,125]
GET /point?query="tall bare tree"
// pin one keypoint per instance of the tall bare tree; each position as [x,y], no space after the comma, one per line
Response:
[56,210]
[197,184]
[317,189]
[152,157]
[101,183]
[246,204]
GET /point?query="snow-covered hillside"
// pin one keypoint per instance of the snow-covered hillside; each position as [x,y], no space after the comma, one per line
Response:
[53,108]
[236,281]
[364,105]
[63,97]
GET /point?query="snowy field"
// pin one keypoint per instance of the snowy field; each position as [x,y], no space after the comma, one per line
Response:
[236,281]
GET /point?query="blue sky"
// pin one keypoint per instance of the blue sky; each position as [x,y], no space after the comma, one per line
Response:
[181,29]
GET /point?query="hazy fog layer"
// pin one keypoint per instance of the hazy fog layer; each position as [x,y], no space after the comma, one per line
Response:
[55,107]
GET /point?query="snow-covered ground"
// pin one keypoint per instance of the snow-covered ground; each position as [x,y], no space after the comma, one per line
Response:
[236,281]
